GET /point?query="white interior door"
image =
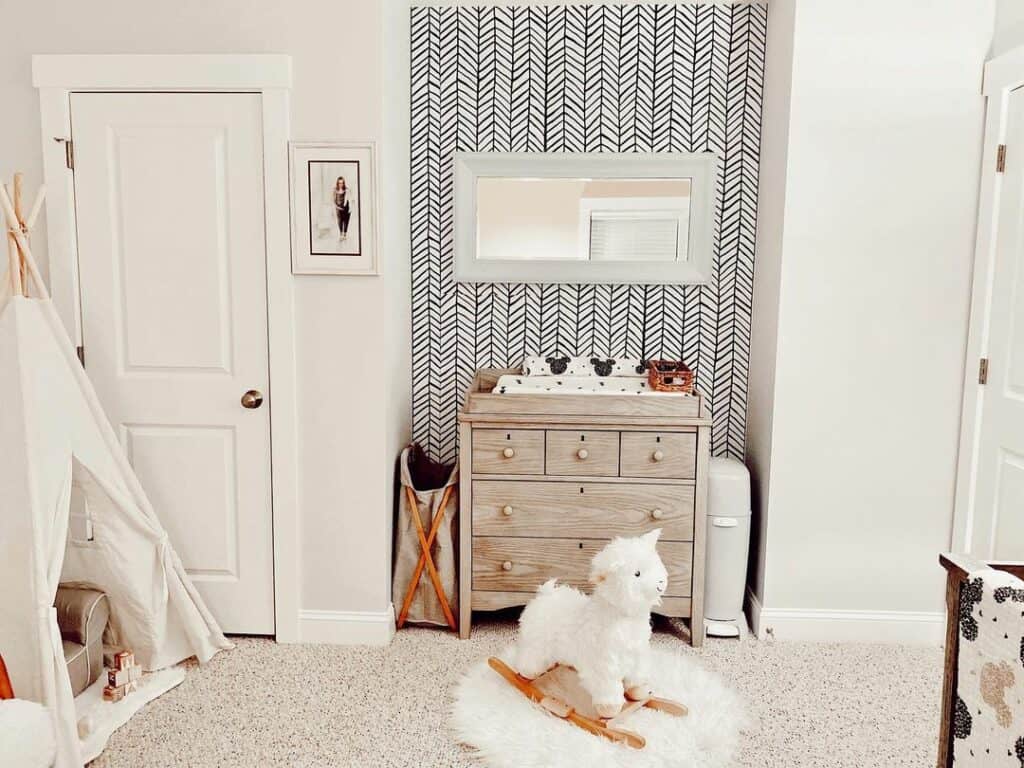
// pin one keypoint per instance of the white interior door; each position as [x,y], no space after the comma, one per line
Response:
[169,204]
[998,504]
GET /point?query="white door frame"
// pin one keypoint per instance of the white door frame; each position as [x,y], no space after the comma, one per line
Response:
[1003,74]
[270,75]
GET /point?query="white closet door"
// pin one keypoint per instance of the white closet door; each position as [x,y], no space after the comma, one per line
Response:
[998,529]
[169,202]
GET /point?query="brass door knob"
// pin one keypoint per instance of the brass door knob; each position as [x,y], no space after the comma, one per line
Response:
[507,510]
[508,453]
[582,453]
[657,514]
[507,565]
[252,399]
[657,455]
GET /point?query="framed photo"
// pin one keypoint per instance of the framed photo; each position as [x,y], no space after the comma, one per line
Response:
[334,208]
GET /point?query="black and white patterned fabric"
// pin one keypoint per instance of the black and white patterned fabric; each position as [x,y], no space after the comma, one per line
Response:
[563,365]
[512,384]
[583,78]
[988,718]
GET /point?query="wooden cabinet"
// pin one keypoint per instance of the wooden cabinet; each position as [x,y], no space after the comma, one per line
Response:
[546,482]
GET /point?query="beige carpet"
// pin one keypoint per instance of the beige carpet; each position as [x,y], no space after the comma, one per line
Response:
[840,706]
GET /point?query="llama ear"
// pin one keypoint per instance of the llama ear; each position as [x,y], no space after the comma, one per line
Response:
[604,564]
[650,539]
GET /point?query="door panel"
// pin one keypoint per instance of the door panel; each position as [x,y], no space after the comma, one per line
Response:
[998,504]
[169,201]
[207,452]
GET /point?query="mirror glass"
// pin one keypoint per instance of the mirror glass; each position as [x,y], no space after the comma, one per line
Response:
[567,217]
[583,219]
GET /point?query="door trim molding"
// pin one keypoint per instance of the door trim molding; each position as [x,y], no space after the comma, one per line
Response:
[162,71]
[270,75]
[1002,75]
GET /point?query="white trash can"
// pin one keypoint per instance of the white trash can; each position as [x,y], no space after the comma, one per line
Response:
[728,544]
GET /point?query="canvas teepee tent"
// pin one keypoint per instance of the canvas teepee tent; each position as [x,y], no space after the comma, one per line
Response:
[55,442]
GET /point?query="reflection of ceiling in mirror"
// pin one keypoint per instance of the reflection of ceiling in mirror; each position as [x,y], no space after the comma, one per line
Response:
[544,218]
[637,188]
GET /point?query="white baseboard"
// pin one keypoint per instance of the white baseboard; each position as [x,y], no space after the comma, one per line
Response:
[347,627]
[842,626]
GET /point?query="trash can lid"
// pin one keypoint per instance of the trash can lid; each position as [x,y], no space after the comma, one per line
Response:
[728,488]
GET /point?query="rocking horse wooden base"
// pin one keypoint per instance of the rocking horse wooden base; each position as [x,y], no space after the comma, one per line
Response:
[559,692]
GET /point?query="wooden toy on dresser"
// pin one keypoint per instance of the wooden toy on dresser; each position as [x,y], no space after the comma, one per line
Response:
[549,477]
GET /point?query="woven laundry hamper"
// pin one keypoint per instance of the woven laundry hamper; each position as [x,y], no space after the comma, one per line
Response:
[429,482]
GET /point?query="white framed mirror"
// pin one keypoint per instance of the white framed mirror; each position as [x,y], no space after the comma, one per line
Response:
[584,217]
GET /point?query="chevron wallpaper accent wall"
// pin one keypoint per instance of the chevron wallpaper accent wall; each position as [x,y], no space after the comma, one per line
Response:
[586,78]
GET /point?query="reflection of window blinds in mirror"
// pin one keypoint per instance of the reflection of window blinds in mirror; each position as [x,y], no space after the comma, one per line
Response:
[634,235]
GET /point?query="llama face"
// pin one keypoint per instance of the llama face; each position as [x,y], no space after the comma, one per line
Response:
[629,573]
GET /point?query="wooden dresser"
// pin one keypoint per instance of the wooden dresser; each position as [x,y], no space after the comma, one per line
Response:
[547,479]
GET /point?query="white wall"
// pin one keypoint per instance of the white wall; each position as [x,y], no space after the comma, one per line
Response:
[352,334]
[873,244]
[1009,29]
[767,268]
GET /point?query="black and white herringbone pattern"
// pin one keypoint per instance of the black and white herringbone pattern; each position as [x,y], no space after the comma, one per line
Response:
[583,78]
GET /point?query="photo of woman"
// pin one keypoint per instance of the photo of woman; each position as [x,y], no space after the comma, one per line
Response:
[342,206]
[334,209]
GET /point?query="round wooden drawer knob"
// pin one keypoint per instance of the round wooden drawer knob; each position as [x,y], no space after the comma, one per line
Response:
[507,565]
[657,455]
[657,514]
[582,453]
[507,510]
[508,453]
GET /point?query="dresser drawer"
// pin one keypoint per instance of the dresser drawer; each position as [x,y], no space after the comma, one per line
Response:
[588,454]
[583,510]
[671,455]
[503,564]
[508,451]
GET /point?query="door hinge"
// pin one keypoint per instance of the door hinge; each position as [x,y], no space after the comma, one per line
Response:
[80,351]
[983,371]
[69,151]
[1001,158]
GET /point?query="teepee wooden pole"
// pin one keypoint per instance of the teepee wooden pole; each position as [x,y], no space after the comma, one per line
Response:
[13,265]
[19,188]
[36,208]
[13,260]
[25,256]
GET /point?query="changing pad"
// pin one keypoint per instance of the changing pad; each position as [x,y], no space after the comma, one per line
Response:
[605,367]
[577,385]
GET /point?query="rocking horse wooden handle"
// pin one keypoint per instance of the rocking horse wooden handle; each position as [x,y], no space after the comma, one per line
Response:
[526,687]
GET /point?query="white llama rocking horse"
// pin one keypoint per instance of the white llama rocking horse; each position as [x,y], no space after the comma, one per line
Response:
[586,659]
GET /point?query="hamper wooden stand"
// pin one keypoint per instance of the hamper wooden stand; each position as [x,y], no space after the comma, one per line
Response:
[547,480]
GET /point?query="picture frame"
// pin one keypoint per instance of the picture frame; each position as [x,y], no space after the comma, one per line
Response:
[333,207]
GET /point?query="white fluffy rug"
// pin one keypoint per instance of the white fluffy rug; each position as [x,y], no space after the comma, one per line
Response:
[509,731]
[26,734]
